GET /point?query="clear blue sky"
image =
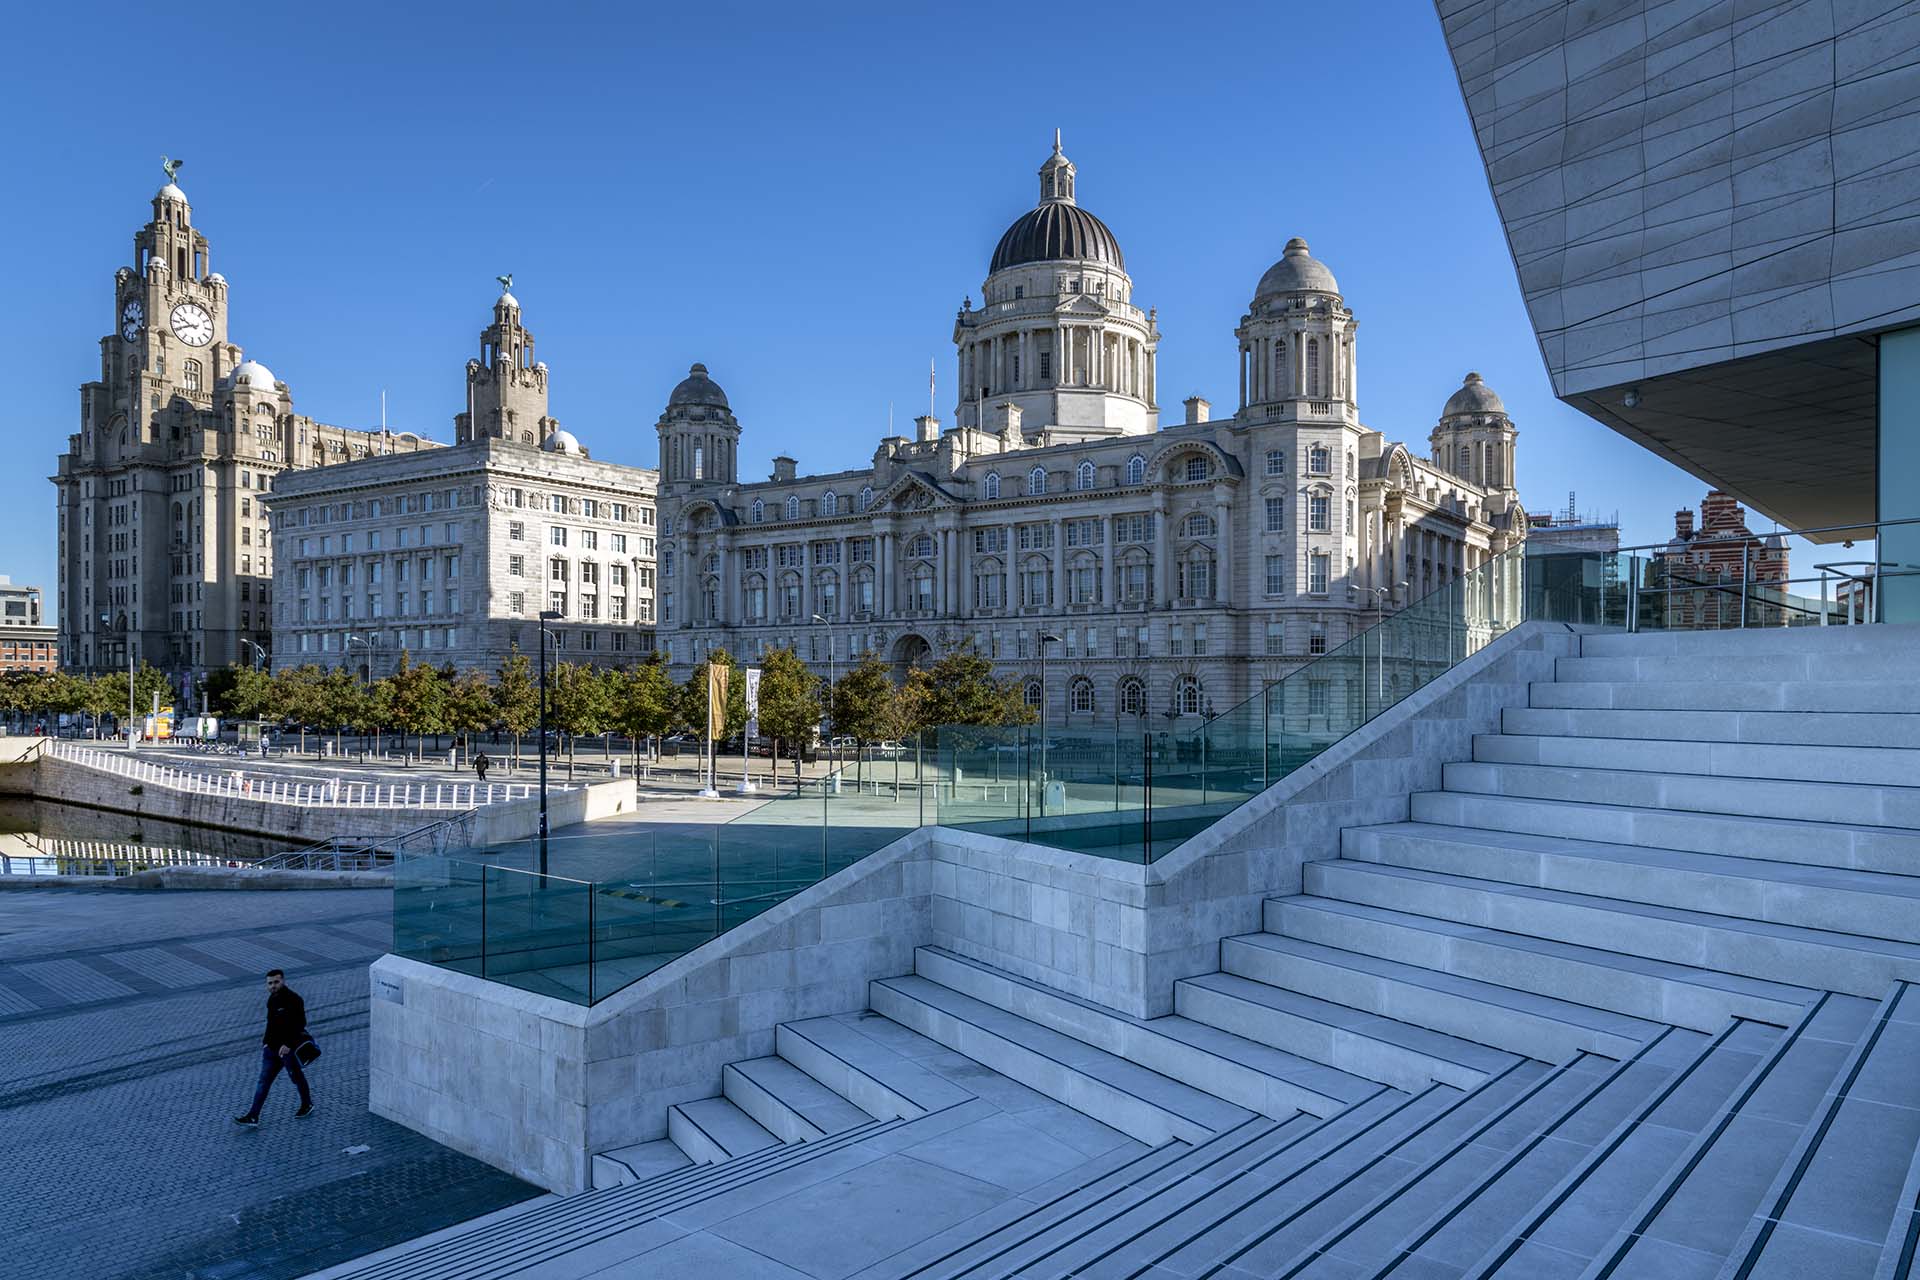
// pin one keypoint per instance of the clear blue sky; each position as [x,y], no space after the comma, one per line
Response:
[797,195]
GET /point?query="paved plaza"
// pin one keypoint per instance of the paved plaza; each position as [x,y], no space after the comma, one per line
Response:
[129,1033]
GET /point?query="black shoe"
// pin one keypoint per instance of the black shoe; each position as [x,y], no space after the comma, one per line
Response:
[306,1109]
[252,1122]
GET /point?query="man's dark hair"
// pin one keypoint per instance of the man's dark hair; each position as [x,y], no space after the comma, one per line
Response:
[275,973]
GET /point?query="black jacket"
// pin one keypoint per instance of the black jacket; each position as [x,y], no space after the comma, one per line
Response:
[286,1019]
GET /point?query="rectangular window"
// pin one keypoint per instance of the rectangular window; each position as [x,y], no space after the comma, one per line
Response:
[1276,515]
[557,536]
[1134,528]
[1276,637]
[1133,583]
[1317,574]
[516,566]
[589,540]
[1317,697]
[986,591]
[1083,585]
[1276,575]
[1199,639]
[1177,640]
[618,543]
[990,542]
[1276,462]
[1317,639]
[1036,588]
[516,530]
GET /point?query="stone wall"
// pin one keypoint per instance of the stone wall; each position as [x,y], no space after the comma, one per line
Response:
[536,1086]
[51,778]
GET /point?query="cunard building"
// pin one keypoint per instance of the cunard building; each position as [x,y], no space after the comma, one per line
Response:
[1176,568]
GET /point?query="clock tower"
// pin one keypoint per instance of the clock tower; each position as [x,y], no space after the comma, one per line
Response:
[171,314]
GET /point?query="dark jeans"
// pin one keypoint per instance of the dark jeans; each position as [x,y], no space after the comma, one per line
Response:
[270,1064]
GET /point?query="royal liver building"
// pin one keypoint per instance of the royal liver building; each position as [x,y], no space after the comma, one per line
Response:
[1178,568]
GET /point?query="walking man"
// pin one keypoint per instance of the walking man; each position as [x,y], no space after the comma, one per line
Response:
[480,764]
[286,1031]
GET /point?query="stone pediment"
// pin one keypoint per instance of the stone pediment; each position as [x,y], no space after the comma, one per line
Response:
[914,491]
[1083,306]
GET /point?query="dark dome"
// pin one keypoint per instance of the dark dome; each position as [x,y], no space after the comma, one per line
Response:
[1474,396]
[698,388]
[1055,232]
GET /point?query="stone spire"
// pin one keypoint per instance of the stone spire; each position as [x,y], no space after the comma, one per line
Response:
[1056,176]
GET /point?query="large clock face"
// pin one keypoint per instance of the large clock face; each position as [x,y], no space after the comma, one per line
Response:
[133,318]
[192,325]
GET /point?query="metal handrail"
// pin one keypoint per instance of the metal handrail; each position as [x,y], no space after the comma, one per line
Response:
[362,851]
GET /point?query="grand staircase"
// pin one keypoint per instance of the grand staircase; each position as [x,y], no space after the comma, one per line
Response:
[1629,997]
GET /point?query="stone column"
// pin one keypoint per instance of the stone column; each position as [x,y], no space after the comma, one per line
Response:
[883,540]
[1223,554]
[1059,565]
[1111,550]
[1162,544]
[1007,571]
[846,584]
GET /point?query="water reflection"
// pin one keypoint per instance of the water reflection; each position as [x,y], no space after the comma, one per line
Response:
[39,837]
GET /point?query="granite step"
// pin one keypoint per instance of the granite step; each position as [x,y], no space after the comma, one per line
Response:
[873,1076]
[786,1101]
[1805,728]
[1880,806]
[1860,902]
[625,1165]
[1184,1229]
[1838,1195]
[1691,1221]
[1654,990]
[1243,1070]
[1785,664]
[1352,1040]
[1437,1218]
[1465,1008]
[1755,949]
[1139,1102]
[1733,644]
[1267,1233]
[1574,1217]
[1729,695]
[1827,844]
[1849,763]
[713,1129]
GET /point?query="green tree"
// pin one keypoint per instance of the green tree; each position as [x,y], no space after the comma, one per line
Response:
[643,702]
[576,703]
[789,704]
[336,698]
[104,695]
[960,689]
[516,698]
[417,698]
[148,682]
[244,693]
[866,703]
[470,707]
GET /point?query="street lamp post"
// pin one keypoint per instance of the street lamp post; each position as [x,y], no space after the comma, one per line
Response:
[1380,595]
[1045,640]
[546,616]
[259,654]
[366,640]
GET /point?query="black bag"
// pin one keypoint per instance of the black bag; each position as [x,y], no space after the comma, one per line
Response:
[306,1053]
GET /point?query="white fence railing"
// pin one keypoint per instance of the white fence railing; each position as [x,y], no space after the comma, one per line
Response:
[333,793]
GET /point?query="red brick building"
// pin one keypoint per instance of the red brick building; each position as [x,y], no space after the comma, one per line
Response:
[1698,577]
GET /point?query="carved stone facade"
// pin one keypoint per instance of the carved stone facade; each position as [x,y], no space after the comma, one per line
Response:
[452,555]
[163,543]
[1179,568]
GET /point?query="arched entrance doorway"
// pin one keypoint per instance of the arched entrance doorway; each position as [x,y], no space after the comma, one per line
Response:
[909,651]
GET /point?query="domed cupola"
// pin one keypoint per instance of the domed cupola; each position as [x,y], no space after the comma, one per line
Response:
[1474,438]
[1473,397]
[1057,229]
[699,437]
[698,388]
[1298,271]
[1297,354]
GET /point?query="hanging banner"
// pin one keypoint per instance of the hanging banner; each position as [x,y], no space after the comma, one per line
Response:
[753,703]
[717,700]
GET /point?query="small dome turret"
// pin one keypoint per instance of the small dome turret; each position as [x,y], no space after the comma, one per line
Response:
[251,373]
[561,441]
[1298,271]
[1473,397]
[697,388]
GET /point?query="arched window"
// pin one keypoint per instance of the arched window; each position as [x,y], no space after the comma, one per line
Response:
[1198,467]
[1036,481]
[1186,696]
[1031,695]
[1133,697]
[793,508]
[830,503]
[1080,694]
[993,485]
[1136,469]
[1083,476]
[866,497]
[1313,366]
[526,437]
[191,374]
[699,462]
[759,511]
[1197,525]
